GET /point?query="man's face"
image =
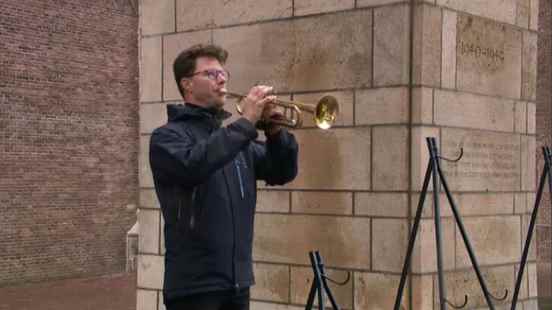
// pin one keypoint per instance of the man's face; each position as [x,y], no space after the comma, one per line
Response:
[207,86]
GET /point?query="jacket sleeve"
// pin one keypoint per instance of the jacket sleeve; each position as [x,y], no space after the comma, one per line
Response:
[181,159]
[276,160]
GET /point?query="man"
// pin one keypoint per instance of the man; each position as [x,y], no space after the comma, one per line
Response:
[205,178]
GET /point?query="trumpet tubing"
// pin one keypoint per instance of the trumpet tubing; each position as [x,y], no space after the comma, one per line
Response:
[325,112]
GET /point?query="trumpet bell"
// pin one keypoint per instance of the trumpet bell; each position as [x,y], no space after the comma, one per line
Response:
[326,112]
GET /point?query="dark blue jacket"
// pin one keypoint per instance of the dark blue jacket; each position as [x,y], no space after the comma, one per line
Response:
[205,178]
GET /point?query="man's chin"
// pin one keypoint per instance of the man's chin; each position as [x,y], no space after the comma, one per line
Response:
[219,104]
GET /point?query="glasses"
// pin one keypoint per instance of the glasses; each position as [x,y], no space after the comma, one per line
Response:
[214,74]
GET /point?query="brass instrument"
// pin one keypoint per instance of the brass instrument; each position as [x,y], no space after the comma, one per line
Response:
[325,112]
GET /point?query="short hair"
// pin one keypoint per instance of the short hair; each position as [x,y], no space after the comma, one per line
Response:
[185,64]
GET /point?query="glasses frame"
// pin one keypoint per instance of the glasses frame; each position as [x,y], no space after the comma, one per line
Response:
[213,74]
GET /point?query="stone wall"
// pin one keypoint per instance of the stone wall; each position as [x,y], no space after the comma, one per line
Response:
[468,79]
[68,137]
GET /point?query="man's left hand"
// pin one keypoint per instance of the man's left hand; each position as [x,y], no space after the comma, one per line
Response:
[270,113]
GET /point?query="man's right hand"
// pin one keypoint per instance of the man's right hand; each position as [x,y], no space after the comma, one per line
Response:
[254,103]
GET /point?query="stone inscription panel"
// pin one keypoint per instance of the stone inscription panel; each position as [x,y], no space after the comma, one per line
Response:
[488,57]
[491,160]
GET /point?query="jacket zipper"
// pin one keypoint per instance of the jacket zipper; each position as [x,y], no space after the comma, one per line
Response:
[242,191]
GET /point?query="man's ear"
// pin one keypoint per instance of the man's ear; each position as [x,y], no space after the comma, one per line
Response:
[185,84]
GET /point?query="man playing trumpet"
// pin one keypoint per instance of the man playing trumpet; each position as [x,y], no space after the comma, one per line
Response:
[205,178]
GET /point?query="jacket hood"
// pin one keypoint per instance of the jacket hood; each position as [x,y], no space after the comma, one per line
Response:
[177,112]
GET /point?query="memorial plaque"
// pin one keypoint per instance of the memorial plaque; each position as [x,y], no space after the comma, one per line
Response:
[488,57]
[491,160]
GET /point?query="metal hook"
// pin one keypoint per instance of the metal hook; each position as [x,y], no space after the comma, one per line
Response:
[456,159]
[500,298]
[339,283]
[456,306]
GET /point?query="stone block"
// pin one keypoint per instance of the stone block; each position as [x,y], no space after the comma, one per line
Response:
[148,198]
[144,170]
[301,281]
[466,203]
[290,55]
[523,9]
[462,283]
[146,300]
[322,202]
[201,14]
[162,248]
[491,160]
[422,106]
[161,302]
[488,57]
[529,66]
[532,255]
[150,271]
[528,158]
[424,257]
[427,45]
[273,201]
[332,51]
[531,304]
[390,158]
[428,209]
[342,241]
[532,278]
[257,305]
[420,154]
[148,221]
[448,64]
[381,106]
[422,292]
[499,10]
[520,118]
[328,165]
[173,45]
[484,203]
[370,3]
[391,45]
[520,203]
[523,289]
[259,54]
[494,239]
[534,15]
[376,291]
[381,204]
[150,69]
[531,115]
[306,7]
[271,282]
[152,115]
[458,109]
[389,243]
[345,99]
[156,17]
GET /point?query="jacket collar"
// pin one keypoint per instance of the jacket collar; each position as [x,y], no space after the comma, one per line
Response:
[180,112]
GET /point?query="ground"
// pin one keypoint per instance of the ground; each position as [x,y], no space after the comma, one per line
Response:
[115,292]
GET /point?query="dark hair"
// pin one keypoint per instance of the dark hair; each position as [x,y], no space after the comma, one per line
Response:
[185,64]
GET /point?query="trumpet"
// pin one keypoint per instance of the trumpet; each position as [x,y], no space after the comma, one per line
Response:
[325,112]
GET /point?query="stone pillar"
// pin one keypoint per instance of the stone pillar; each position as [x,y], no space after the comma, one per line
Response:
[465,74]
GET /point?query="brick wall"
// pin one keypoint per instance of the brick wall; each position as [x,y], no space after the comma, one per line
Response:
[543,236]
[68,137]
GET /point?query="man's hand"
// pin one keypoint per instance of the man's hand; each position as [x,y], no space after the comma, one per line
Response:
[254,103]
[271,112]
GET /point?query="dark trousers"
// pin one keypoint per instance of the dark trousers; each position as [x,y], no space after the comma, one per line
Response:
[218,300]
